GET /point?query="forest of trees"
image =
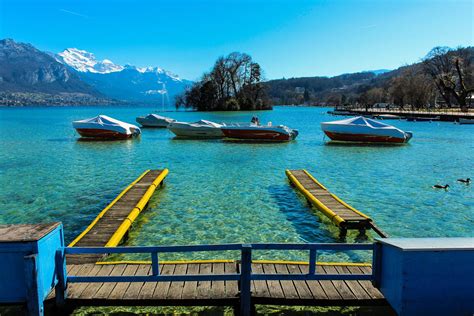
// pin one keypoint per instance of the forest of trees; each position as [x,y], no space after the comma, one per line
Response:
[234,83]
[444,78]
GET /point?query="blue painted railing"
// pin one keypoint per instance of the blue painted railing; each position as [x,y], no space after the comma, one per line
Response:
[244,277]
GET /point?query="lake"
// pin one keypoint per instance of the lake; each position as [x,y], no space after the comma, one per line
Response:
[231,192]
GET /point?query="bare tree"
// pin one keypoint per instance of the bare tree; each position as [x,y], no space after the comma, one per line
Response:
[452,72]
[234,83]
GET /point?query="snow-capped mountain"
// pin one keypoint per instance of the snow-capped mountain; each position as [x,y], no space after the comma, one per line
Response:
[84,61]
[128,82]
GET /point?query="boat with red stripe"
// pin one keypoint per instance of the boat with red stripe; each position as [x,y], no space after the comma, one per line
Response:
[105,128]
[365,130]
[257,132]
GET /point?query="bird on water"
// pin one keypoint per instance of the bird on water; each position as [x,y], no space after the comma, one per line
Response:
[439,186]
[466,181]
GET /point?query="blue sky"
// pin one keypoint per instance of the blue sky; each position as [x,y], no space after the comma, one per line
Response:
[288,38]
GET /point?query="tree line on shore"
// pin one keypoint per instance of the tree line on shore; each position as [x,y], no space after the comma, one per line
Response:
[444,78]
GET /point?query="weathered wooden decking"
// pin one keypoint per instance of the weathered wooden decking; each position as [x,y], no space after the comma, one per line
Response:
[297,292]
[339,212]
[133,199]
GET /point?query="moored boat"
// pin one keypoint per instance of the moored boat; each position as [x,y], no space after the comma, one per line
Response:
[259,132]
[423,118]
[362,129]
[387,117]
[105,127]
[154,120]
[199,129]
[465,121]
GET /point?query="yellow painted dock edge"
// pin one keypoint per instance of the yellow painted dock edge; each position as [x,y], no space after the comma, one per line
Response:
[351,264]
[336,219]
[127,222]
[293,179]
[102,213]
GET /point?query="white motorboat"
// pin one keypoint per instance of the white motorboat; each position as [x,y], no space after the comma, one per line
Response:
[362,129]
[199,129]
[388,117]
[259,132]
[465,121]
[105,127]
[154,120]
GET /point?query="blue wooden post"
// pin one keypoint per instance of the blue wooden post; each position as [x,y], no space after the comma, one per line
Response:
[245,279]
[376,264]
[154,264]
[34,302]
[312,261]
[61,287]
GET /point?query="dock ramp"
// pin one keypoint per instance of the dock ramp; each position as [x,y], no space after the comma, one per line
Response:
[340,213]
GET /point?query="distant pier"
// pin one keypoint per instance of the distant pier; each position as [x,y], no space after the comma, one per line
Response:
[442,115]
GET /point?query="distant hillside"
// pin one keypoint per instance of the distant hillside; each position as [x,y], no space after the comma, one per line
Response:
[34,75]
[411,85]
[29,76]
[318,90]
[129,83]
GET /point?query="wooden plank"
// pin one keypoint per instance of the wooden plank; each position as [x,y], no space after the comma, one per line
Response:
[367,285]
[92,288]
[119,290]
[302,288]
[72,269]
[318,288]
[74,290]
[190,287]
[231,287]
[107,287]
[289,289]
[176,288]
[260,288]
[148,288]
[274,287]
[134,288]
[204,287]
[162,288]
[218,287]
[355,286]
[341,286]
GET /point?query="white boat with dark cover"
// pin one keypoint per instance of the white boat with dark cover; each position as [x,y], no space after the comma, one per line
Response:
[259,132]
[154,120]
[105,127]
[199,129]
[362,129]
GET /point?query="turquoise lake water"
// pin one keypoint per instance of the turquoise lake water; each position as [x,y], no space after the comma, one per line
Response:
[230,192]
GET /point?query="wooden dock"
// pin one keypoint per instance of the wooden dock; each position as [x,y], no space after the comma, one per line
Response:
[113,222]
[340,213]
[220,293]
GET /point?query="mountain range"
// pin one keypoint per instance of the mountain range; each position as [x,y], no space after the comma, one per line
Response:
[29,76]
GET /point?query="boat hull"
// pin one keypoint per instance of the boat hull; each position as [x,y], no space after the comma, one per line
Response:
[199,132]
[365,138]
[256,134]
[102,134]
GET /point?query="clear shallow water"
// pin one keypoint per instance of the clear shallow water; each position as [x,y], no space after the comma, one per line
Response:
[229,192]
